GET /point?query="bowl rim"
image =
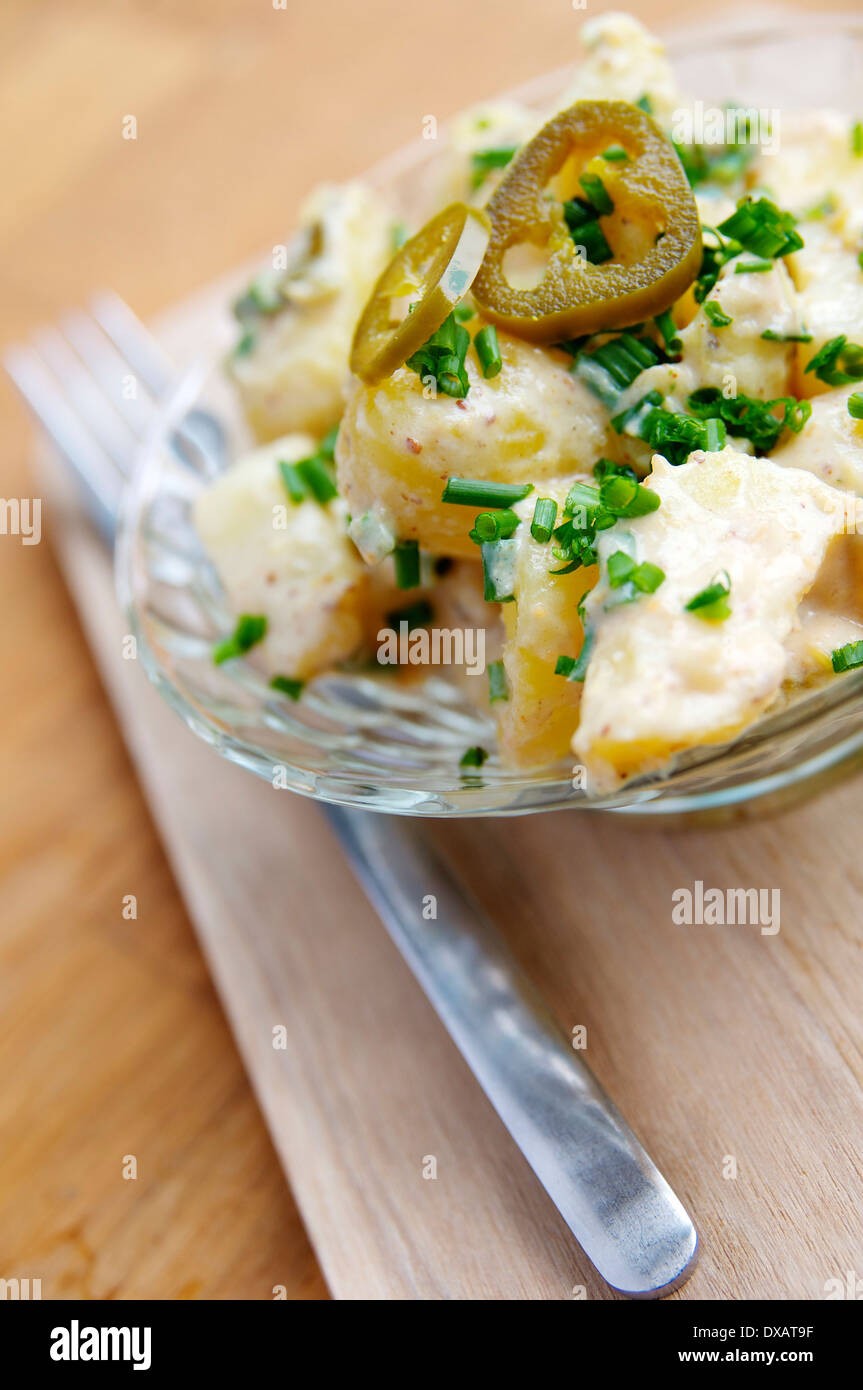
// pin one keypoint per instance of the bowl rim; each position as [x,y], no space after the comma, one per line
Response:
[645,797]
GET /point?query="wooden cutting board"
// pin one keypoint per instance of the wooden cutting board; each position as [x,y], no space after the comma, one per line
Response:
[737,1056]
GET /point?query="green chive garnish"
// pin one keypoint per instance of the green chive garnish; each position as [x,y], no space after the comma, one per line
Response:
[665,323]
[488,351]
[498,570]
[473,757]
[251,628]
[494,526]
[857,138]
[615,154]
[847,657]
[762,228]
[838,363]
[317,477]
[771,337]
[286,685]
[483,161]
[855,405]
[596,193]
[473,492]
[575,669]
[717,315]
[622,569]
[711,603]
[406,558]
[544,517]
[462,312]
[294,485]
[498,686]
[759,267]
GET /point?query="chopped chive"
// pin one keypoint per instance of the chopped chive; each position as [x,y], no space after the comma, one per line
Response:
[711,603]
[406,558]
[327,446]
[857,139]
[473,757]
[759,267]
[415,614]
[294,485]
[498,570]
[494,526]
[762,228]
[575,668]
[596,193]
[462,312]
[750,418]
[855,405]
[286,685]
[645,104]
[665,323]
[772,337]
[498,686]
[245,345]
[615,154]
[634,420]
[317,477]
[592,238]
[488,351]
[717,315]
[483,161]
[544,517]
[251,628]
[474,492]
[847,657]
[622,570]
[623,497]
[838,362]
[648,577]
[715,436]
[605,468]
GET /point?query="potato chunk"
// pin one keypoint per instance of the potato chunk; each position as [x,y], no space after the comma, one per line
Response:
[830,445]
[397,446]
[293,362]
[292,562]
[661,679]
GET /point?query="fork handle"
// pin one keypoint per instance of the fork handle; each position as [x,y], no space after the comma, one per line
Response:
[609,1192]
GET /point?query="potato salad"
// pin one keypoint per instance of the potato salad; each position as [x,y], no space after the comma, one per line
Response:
[596,399]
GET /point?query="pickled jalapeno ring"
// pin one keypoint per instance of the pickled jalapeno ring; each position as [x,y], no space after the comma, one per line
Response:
[652,231]
[432,270]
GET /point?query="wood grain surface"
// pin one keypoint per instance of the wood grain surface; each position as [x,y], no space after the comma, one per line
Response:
[716,1043]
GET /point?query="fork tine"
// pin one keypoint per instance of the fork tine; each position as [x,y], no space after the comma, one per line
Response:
[112,371]
[133,341]
[100,480]
[96,410]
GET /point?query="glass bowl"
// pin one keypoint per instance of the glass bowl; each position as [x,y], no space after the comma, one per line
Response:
[364,740]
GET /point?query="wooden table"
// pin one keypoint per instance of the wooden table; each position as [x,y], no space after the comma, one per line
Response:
[113,1040]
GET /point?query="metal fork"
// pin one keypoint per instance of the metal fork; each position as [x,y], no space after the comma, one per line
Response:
[611,1195]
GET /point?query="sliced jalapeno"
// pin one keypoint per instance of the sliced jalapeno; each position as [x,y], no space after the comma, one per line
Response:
[433,270]
[652,233]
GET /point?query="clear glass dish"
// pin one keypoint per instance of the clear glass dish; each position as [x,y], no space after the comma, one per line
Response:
[362,740]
